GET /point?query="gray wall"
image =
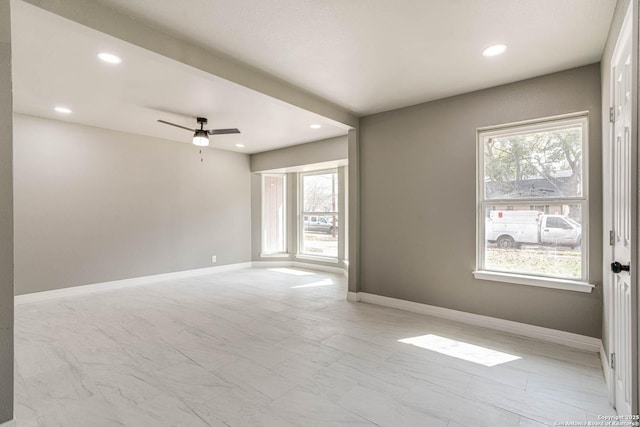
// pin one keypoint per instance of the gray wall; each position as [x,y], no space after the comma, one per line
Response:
[93,205]
[6,219]
[305,154]
[418,202]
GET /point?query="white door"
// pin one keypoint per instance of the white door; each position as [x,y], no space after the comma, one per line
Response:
[621,196]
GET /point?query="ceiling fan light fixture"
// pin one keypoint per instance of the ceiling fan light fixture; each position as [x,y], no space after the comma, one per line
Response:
[201,138]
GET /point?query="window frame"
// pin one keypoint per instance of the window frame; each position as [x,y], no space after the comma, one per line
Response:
[285,227]
[302,214]
[530,126]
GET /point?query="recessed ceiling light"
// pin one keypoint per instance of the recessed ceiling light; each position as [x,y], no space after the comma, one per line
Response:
[110,58]
[63,110]
[315,126]
[240,145]
[494,50]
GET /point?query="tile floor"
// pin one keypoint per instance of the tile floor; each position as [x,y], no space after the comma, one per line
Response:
[282,347]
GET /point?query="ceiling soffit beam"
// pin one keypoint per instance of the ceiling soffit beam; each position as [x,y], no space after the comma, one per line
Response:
[109,21]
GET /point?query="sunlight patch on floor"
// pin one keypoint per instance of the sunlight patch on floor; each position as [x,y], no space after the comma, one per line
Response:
[461,350]
[291,271]
[325,282]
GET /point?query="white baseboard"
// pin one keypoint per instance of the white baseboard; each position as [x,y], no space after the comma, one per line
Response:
[125,283]
[608,373]
[298,264]
[309,266]
[10,423]
[537,332]
[353,296]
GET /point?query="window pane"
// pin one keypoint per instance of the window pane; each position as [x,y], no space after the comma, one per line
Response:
[535,164]
[320,192]
[530,241]
[320,236]
[274,236]
[320,232]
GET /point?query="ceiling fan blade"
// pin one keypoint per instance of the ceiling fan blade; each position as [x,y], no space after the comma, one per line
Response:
[178,126]
[222,131]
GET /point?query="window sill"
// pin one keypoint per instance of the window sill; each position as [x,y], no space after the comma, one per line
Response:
[277,255]
[543,282]
[317,258]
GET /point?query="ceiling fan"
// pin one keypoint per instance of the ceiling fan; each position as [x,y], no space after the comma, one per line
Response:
[201,136]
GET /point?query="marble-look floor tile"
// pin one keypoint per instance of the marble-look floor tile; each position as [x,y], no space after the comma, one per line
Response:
[357,347]
[246,374]
[207,353]
[259,348]
[538,408]
[319,379]
[447,404]
[164,410]
[385,411]
[260,353]
[125,385]
[310,350]
[90,411]
[527,422]
[230,406]
[190,380]
[300,405]
[583,393]
[156,355]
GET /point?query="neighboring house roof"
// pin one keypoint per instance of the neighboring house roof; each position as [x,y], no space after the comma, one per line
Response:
[530,188]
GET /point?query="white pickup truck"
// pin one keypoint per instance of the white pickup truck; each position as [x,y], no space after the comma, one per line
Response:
[510,229]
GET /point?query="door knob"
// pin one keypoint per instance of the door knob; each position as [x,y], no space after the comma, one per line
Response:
[616,267]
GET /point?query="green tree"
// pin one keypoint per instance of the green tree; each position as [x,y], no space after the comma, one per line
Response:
[555,156]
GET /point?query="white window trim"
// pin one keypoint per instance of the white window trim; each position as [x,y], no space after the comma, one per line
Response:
[284,253]
[275,255]
[329,259]
[302,214]
[581,285]
[345,215]
[543,282]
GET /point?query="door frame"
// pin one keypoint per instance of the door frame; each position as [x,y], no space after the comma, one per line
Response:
[629,28]
[635,255]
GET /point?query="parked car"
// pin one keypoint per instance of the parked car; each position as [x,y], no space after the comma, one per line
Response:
[509,229]
[321,224]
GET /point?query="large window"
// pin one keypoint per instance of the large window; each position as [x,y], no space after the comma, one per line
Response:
[274,214]
[319,227]
[532,194]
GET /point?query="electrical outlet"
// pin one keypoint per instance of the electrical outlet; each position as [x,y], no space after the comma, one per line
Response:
[213,258]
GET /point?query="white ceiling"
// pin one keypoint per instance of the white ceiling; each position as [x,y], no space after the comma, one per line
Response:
[55,63]
[375,55]
[364,55]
